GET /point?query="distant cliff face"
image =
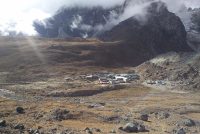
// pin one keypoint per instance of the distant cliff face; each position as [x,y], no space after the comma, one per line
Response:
[140,37]
[195,19]
[160,32]
[78,22]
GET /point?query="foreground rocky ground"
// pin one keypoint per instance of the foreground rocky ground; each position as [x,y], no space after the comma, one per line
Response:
[35,98]
[149,110]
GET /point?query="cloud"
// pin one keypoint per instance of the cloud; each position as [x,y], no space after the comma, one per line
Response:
[89,3]
[21,13]
[179,7]
[18,15]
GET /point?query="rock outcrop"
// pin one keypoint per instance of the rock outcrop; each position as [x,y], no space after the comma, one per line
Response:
[160,32]
[139,41]
[75,21]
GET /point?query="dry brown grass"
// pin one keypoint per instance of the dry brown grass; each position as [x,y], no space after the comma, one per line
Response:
[22,62]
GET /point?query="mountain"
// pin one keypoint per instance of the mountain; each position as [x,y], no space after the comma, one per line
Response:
[195,13]
[137,39]
[78,22]
[181,69]
[160,32]
[193,34]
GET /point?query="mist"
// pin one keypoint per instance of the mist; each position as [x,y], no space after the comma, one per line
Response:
[138,8]
[18,15]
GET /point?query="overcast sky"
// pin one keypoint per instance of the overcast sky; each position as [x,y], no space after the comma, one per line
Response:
[18,15]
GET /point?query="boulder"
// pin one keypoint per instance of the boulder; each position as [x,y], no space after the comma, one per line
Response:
[20,110]
[60,114]
[141,128]
[133,127]
[88,131]
[144,117]
[96,130]
[186,122]
[113,131]
[2,123]
[19,126]
[162,115]
[181,131]
[130,127]
[96,105]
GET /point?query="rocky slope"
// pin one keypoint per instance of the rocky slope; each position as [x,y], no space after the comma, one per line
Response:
[162,31]
[78,22]
[135,40]
[179,70]
[193,34]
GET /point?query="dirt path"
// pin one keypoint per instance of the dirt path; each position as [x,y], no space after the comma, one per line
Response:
[4,93]
[164,88]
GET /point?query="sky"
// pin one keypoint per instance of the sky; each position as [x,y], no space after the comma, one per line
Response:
[18,15]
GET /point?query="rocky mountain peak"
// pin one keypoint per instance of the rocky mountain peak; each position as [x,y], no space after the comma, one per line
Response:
[157,8]
[157,31]
[161,32]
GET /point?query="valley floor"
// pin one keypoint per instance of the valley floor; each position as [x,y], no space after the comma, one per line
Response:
[35,98]
[103,113]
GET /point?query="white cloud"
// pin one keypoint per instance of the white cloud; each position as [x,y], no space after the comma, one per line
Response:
[18,15]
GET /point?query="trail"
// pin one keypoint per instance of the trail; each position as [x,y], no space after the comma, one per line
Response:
[4,93]
[158,92]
